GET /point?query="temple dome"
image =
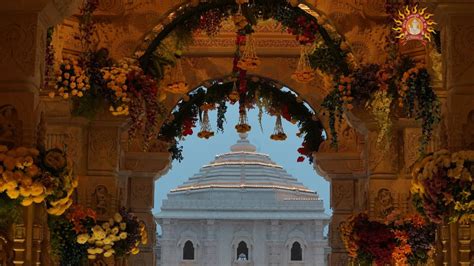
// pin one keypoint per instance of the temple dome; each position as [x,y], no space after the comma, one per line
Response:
[246,182]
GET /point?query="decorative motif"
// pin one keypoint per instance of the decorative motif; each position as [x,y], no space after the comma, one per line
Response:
[414,24]
[383,203]
[101,200]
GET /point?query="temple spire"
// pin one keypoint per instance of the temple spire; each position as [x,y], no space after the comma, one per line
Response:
[243,144]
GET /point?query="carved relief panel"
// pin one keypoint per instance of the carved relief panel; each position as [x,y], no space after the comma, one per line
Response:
[103,149]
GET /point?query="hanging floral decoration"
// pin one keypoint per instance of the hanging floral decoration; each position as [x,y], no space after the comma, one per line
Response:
[442,186]
[379,88]
[261,92]
[401,239]
[206,130]
[71,80]
[30,176]
[304,73]
[161,68]
[77,236]
[278,132]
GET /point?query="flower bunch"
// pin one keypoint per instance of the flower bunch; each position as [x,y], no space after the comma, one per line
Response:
[305,30]
[248,63]
[116,82]
[368,241]
[136,235]
[442,186]
[58,179]
[414,236]
[34,177]
[19,173]
[303,76]
[64,230]
[71,80]
[101,239]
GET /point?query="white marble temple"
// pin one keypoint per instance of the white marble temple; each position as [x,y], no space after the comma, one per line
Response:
[242,198]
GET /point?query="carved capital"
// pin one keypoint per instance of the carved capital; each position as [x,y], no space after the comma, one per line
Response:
[146,164]
[332,165]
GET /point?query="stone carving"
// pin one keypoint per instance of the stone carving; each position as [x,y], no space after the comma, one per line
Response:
[383,203]
[101,200]
[10,126]
[19,46]
[103,149]
[411,146]
[342,195]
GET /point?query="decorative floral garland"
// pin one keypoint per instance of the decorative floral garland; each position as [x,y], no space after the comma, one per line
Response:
[30,176]
[278,102]
[377,87]
[78,236]
[137,91]
[402,239]
[442,186]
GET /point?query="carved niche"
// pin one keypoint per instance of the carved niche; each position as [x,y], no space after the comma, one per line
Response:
[101,201]
[10,126]
[383,203]
[103,149]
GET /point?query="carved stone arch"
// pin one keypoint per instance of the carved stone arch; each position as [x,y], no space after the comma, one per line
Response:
[188,235]
[296,235]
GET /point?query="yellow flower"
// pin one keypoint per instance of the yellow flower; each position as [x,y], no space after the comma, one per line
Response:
[92,257]
[108,253]
[13,193]
[27,202]
[135,251]
[37,189]
[123,235]
[25,191]
[82,238]
[99,250]
[123,226]
[118,218]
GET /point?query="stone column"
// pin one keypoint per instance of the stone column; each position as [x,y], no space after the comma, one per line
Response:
[23,27]
[143,168]
[342,170]
[209,256]
[457,31]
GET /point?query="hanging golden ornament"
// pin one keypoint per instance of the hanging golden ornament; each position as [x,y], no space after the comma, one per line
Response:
[304,72]
[207,106]
[177,83]
[249,59]
[278,132]
[243,126]
[206,130]
[234,95]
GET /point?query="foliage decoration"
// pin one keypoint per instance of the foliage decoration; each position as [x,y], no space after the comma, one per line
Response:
[442,186]
[379,88]
[64,230]
[402,239]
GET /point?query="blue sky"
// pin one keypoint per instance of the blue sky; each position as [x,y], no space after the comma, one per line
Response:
[198,152]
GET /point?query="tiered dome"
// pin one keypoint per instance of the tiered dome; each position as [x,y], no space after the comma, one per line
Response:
[242,184]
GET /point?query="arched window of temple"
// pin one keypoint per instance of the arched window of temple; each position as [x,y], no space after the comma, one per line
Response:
[296,252]
[242,251]
[188,251]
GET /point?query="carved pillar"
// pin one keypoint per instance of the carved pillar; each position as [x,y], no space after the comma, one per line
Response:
[457,31]
[274,244]
[143,168]
[343,171]
[23,26]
